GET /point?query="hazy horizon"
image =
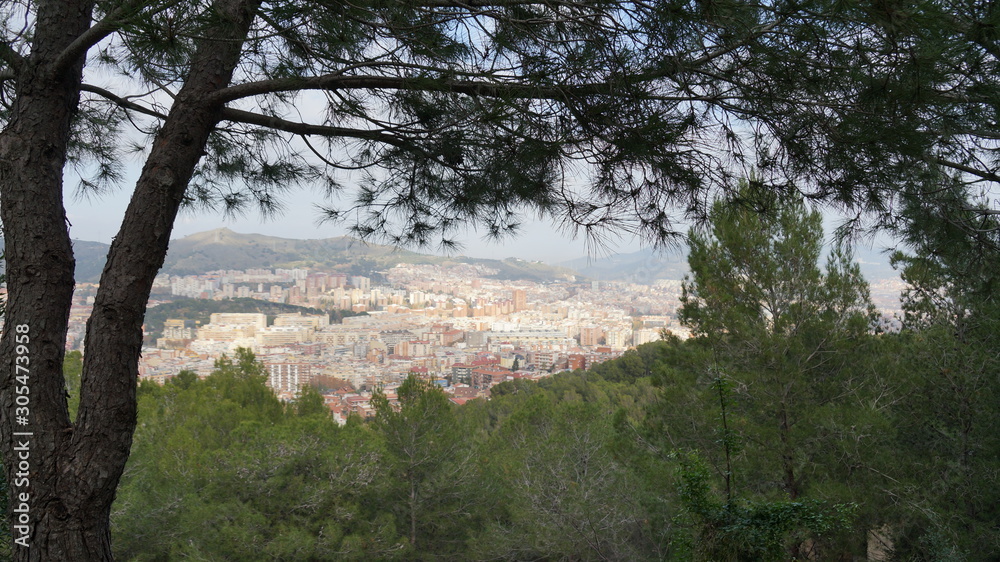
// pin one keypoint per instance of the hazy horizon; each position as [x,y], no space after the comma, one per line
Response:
[97,219]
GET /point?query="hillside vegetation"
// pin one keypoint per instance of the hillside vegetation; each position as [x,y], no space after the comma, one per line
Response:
[225,249]
[787,428]
[200,310]
[657,455]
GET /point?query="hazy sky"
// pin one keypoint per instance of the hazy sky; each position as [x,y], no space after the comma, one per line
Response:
[98,219]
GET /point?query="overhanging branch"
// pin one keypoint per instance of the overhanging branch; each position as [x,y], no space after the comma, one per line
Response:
[481,88]
[250,118]
[340,82]
[11,57]
[988,176]
[120,101]
[111,23]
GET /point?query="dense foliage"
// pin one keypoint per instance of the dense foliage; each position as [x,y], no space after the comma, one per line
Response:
[610,117]
[801,432]
[200,311]
[576,466]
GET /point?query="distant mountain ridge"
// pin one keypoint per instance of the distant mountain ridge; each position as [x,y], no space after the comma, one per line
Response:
[643,266]
[647,265]
[223,248]
[90,258]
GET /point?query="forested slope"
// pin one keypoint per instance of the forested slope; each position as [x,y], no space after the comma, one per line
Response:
[791,426]
[632,461]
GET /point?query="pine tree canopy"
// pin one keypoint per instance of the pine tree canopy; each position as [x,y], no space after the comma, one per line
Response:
[422,116]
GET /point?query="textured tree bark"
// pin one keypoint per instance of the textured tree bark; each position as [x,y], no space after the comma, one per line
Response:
[74,469]
[40,288]
[787,454]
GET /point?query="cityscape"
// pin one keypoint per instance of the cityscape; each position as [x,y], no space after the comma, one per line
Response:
[455,324]
[625,281]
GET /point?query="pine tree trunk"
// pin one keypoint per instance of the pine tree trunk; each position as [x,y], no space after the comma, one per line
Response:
[787,453]
[34,419]
[62,477]
[413,512]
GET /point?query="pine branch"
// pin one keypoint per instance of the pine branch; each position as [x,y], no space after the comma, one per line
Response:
[111,23]
[986,175]
[340,82]
[482,88]
[249,118]
[120,101]
[13,59]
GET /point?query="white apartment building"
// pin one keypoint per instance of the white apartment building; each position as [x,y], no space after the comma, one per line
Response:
[300,320]
[283,335]
[255,319]
[288,376]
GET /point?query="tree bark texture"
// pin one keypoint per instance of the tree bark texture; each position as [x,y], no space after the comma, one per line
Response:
[74,468]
